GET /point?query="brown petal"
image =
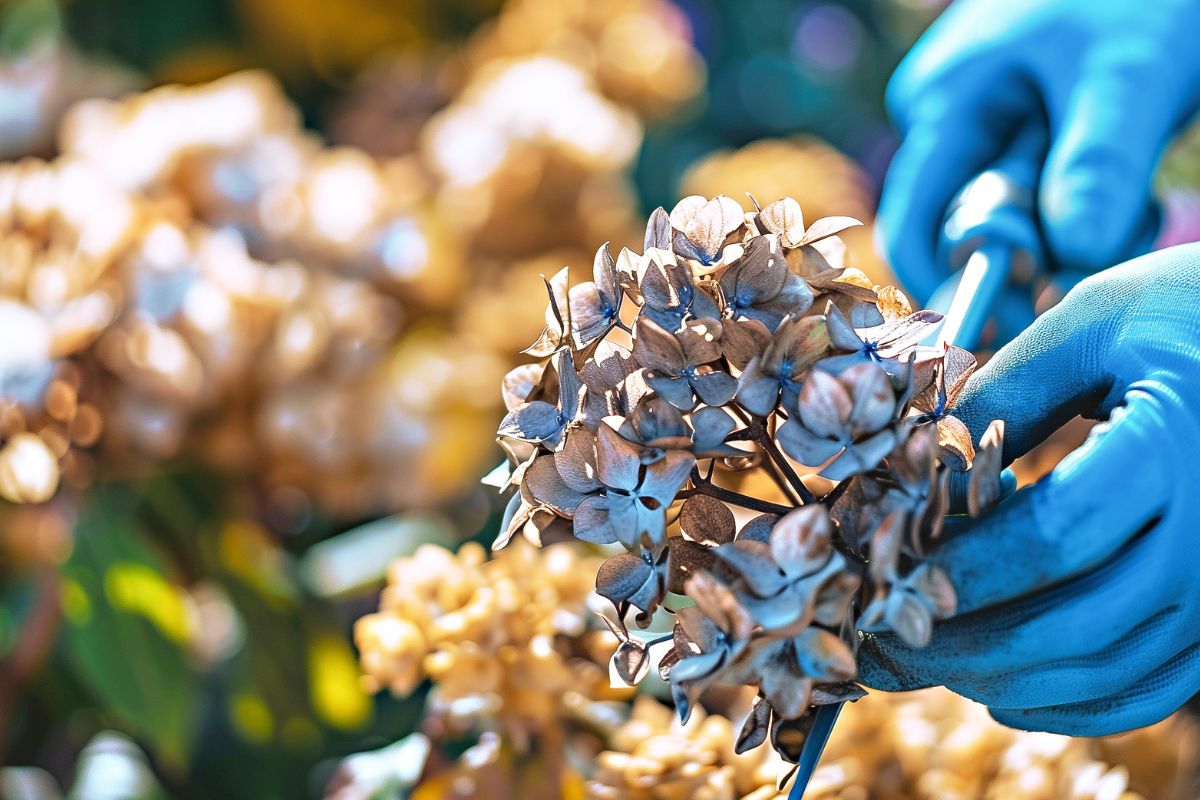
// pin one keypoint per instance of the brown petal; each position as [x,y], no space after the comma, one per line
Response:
[983,489]
[801,541]
[830,693]
[960,364]
[743,340]
[686,558]
[720,605]
[833,601]
[657,349]
[686,210]
[706,520]
[758,529]
[885,548]
[802,342]
[620,577]
[954,444]
[893,303]
[700,341]
[848,281]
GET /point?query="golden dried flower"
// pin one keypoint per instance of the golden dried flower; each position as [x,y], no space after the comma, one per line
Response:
[928,745]
[505,641]
[753,348]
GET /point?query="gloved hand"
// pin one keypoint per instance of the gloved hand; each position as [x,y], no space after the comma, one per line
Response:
[1079,597]
[1115,78]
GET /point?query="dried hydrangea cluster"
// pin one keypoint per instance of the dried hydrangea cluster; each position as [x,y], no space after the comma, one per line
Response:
[505,641]
[929,745]
[738,342]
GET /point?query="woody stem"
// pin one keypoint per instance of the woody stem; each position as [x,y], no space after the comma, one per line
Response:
[701,486]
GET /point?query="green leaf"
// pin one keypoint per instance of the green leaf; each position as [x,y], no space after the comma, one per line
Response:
[127,627]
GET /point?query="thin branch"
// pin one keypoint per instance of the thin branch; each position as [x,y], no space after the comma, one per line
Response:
[702,486]
[768,445]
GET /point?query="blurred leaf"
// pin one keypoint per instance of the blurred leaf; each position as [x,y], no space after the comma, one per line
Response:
[26,25]
[126,626]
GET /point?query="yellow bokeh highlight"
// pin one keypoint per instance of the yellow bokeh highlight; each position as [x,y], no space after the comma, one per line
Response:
[251,718]
[138,589]
[334,689]
[76,606]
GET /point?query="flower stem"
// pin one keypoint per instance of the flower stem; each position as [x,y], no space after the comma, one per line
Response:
[702,486]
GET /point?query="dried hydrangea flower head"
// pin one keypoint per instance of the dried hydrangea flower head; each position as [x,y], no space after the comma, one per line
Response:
[504,640]
[746,346]
[927,745]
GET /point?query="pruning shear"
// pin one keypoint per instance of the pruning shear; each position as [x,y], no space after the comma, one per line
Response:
[991,237]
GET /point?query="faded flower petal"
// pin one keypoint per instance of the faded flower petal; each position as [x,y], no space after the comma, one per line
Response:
[785,219]
[591,521]
[828,226]
[801,541]
[892,303]
[706,223]
[706,520]
[698,628]
[658,230]
[754,729]
[546,488]
[676,391]
[715,388]
[720,605]
[618,461]
[700,341]
[861,456]
[874,401]
[631,661]
[932,585]
[823,656]
[743,340]
[622,576]
[697,666]
[983,488]
[685,559]
[758,529]
[825,405]
[519,383]
[909,618]
[754,564]
[757,392]
[535,422]
[802,445]
[657,349]
[955,448]
[710,426]
[576,461]
[665,478]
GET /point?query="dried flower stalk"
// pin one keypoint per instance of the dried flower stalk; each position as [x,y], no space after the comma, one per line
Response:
[739,343]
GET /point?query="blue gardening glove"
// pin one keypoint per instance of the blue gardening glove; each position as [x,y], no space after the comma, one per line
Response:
[1114,78]
[1079,597]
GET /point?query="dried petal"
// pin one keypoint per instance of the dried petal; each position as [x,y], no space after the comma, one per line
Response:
[743,340]
[823,656]
[892,302]
[801,541]
[825,405]
[828,226]
[706,520]
[621,576]
[754,564]
[754,729]
[955,449]
[631,661]
[983,489]
[656,349]
[784,218]
[618,462]
[658,230]
[909,618]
